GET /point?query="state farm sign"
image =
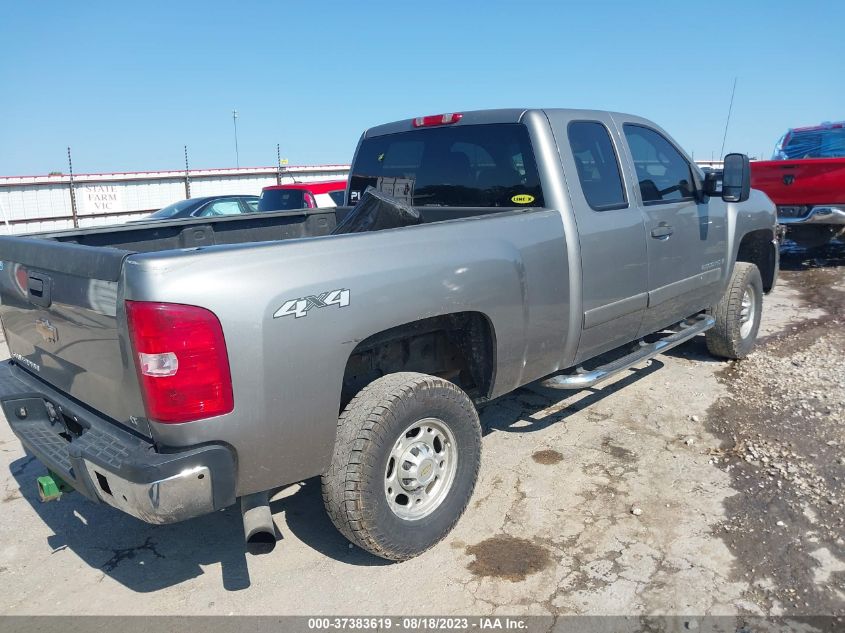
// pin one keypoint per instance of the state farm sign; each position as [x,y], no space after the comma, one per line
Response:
[92,199]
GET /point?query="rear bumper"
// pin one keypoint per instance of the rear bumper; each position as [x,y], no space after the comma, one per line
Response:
[109,464]
[812,214]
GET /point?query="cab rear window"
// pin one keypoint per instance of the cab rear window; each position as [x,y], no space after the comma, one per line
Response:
[456,166]
[823,143]
[281,200]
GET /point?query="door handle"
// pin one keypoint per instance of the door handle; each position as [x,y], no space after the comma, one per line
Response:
[662,232]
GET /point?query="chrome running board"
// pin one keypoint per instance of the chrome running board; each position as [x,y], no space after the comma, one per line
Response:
[685,330]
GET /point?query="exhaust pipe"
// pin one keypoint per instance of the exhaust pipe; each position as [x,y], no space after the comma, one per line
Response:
[259,529]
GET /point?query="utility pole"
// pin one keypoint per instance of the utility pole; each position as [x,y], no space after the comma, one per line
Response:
[235,123]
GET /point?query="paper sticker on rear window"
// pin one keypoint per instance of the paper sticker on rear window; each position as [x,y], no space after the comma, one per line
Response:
[522,198]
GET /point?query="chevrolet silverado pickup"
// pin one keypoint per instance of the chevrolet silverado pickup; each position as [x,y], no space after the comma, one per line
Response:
[806,180]
[172,369]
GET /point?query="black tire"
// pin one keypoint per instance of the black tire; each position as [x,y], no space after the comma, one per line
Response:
[368,428]
[810,236]
[725,339]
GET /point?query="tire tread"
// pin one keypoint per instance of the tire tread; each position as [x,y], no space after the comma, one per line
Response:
[723,338]
[363,425]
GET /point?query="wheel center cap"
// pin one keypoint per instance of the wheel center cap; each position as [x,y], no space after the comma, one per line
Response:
[425,472]
[423,469]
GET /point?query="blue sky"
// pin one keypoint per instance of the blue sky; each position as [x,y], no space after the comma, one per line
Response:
[126,85]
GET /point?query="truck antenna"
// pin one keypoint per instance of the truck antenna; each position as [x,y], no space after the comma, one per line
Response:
[730,108]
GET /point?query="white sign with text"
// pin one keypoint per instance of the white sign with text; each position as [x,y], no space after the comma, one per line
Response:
[91,199]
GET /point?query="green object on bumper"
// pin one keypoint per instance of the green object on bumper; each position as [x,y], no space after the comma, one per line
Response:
[51,487]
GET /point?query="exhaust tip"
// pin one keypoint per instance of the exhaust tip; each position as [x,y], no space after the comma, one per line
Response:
[261,543]
[259,529]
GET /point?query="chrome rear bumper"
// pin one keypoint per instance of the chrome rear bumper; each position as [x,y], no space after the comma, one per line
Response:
[108,464]
[816,214]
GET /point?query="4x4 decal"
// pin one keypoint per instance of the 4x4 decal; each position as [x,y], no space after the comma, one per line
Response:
[300,307]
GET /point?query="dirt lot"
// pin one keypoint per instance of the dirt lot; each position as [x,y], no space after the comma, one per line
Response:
[686,486]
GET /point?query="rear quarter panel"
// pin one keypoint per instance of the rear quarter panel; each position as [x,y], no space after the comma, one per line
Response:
[287,372]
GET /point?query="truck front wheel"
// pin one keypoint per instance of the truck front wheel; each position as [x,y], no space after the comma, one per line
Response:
[405,463]
[737,314]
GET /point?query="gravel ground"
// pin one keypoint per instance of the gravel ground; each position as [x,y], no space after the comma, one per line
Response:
[783,425]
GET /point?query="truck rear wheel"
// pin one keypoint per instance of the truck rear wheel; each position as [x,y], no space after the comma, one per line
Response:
[405,464]
[737,314]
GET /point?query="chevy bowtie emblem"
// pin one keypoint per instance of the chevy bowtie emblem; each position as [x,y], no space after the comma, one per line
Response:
[788,179]
[47,330]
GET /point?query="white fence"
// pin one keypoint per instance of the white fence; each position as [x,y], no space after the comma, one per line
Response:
[44,203]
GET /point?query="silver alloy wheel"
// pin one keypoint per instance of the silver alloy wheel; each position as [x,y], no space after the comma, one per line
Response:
[747,312]
[420,469]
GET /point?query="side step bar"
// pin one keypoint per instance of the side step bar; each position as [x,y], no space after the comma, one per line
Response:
[685,331]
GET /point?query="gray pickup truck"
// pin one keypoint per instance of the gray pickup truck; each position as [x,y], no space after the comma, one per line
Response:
[169,369]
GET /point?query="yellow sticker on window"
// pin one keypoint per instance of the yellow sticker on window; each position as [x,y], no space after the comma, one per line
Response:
[522,198]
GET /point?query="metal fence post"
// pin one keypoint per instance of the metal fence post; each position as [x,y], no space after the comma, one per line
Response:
[278,165]
[187,175]
[73,211]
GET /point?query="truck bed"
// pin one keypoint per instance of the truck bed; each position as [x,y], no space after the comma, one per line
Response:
[63,295]
[160,235]
[805,181]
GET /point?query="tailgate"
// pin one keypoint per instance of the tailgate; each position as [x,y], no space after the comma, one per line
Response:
[59,313]
[801,182]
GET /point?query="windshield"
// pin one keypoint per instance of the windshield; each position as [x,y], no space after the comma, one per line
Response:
[825,143]
[172,209]
[281,200]
[462,166]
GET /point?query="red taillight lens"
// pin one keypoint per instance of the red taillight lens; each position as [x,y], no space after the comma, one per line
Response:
[438,119]
[182,361]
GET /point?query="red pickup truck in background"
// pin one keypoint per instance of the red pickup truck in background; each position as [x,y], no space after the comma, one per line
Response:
[303,195]
[806,180]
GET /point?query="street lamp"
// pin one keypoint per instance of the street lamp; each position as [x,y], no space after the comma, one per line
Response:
[235,123]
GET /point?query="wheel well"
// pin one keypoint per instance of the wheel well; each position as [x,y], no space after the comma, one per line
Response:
[459,347]
[757,248]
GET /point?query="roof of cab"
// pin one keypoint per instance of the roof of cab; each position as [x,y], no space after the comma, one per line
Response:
[482,117]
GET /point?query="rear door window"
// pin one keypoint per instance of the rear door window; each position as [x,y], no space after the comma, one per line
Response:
[597,164]
[221,207]
[663,173]
[460,166]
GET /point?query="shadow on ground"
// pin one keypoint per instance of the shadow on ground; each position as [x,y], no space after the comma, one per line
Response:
[147,558]
[524,411]
[793,257]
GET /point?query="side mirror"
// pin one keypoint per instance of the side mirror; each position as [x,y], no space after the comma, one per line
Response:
[736,178]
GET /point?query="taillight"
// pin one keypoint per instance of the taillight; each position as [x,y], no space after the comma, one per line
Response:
[182,363]
[438,119]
